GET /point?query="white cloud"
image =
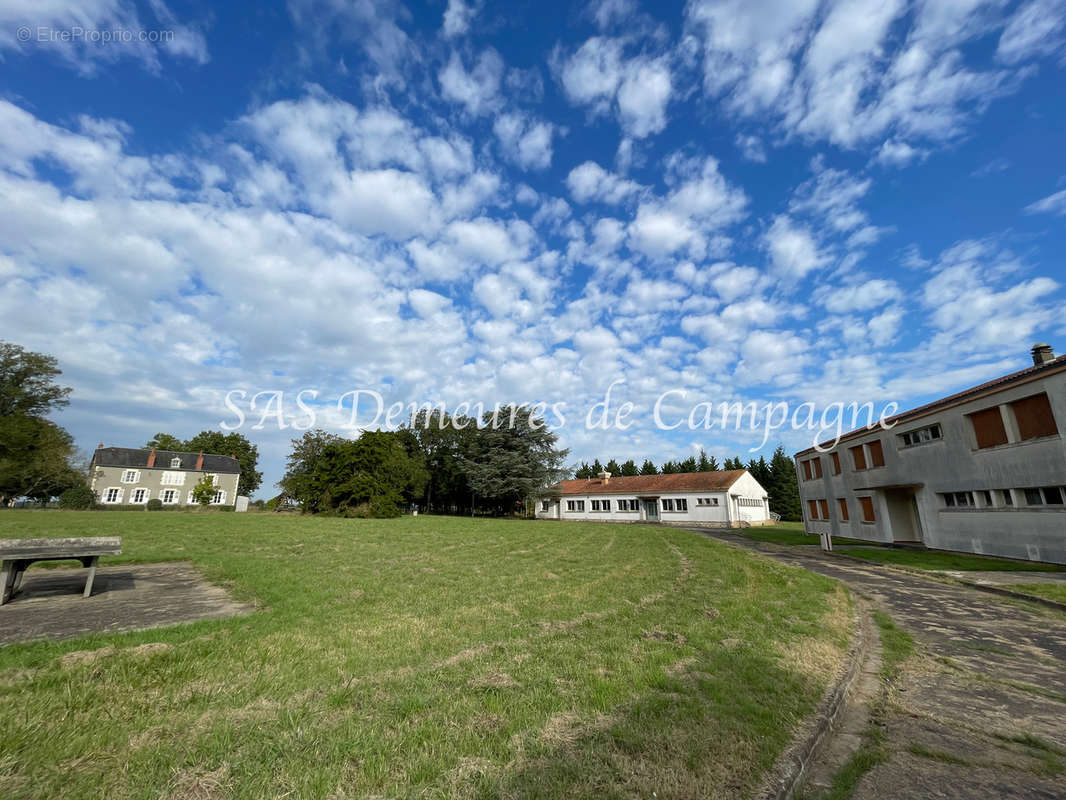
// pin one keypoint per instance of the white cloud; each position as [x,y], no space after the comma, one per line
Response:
[1037,28]
[898,154]
[751,147]
[457,17]
[590,181]
[859,297]
[642,97]
[476,90]
[526,142]
[792,248]
[1052,204]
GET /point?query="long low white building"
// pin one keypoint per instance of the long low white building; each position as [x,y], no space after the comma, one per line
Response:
[725,499]
[982,471]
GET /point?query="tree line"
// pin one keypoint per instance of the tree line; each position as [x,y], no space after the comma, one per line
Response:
[777,476]
[437,462]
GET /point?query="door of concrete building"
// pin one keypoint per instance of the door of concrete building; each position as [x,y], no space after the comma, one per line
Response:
[903,519]
[651,510]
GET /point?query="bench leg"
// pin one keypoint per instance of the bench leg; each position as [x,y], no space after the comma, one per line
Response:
[92,574]
[7,580]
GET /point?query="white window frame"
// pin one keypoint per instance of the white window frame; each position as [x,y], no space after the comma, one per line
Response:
[171,478]
[668,504]
[147,496]
[176,495]
[682,504]
[126,476]
[219,498]
[106,497]
[175,463]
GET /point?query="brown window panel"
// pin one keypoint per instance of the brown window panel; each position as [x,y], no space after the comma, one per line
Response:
[836,463]
[806,470]
[824,506]
[1034,417]
[867,504]
[817,467]
[877,454]
[988,427]
[843,508]
[858,457]
[812,509]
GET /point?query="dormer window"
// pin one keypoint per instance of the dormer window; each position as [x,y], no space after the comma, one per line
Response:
[175,463]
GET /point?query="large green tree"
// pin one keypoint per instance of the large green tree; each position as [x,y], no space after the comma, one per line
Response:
[512,459]
[783,488]
[298,483]
[648,467]
[36,455]
[629,468]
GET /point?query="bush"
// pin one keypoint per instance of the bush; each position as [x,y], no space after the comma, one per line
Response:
[78,498]
[155,504]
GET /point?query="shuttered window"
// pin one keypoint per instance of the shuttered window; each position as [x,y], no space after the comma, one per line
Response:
[858,457]
[1034,417]
[843,508]
[824,506]
[812,509]
[836,463]
[817,467]
[806,470]
[867,504]
[877,454]
[988,427]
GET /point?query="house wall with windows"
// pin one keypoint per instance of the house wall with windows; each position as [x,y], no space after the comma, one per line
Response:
[129,476]
[716,499]
[983,471]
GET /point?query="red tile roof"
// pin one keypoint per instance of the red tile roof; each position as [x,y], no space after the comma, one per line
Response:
[1020,376]
[653,484]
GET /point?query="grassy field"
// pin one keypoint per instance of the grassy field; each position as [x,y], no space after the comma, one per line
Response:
[426,657]
[790,533]
[1049,591]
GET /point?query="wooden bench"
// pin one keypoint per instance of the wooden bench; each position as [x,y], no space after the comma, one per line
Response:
[17,554]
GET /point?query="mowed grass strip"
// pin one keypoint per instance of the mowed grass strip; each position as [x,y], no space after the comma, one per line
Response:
[426,657]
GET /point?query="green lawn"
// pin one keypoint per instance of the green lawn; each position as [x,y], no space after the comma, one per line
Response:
[1049,591]
[426,657]
[942,559]
[789,533]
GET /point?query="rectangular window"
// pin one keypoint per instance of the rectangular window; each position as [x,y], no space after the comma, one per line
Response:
[545,505]
[823,505]
[958,499]
[140,496]
[575,505]
[807,474]
[169,497]
[668,505]
[1033,497]
[628,505]
[812,509]
[988,427]
[843,508]
[858,457]
[682,505]
[836,462]
[921,436]
[173,479]
[113,496]
[131,476]
[218,499]
[1008,497]
[877,454]
[817,467]
[986,498]
[1034,417]
[601,505]
[867,505]
[1053,495]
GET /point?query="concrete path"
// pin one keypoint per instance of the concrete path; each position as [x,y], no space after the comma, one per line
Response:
[980,710]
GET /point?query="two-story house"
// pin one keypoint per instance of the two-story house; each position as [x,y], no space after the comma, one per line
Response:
[129,476]
[981,471]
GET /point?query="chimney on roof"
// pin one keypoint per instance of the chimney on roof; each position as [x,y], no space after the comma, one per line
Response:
[1042,354]
[100,446]
[604,477]
[151,459]
[200,460]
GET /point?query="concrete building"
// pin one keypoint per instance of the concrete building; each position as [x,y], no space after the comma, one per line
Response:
[128,476]
[981,471]
[724,499]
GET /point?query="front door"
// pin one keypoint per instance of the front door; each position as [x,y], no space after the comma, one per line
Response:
[903,515]
[651,510]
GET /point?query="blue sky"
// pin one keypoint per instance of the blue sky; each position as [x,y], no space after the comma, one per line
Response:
[752,201]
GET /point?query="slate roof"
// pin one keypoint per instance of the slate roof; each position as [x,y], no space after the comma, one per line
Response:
[1021,376]
[653,484]
[134,457]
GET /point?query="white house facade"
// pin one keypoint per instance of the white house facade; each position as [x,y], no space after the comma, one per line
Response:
[723,499]
[982,471]
[129,476]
